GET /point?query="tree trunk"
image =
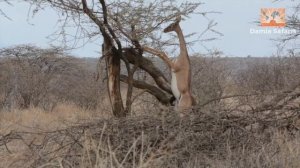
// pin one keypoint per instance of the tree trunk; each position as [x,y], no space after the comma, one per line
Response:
[112,60]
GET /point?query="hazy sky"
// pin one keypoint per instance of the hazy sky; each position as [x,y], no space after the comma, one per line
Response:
[235,22]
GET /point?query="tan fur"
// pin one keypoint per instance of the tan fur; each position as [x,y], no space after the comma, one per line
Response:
[180,66]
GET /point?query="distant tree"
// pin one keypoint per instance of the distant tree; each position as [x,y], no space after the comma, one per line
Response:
[31,76]
[292,39]
[2,13]
[293,21]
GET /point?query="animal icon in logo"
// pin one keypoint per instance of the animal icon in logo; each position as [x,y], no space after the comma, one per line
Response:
[272,17]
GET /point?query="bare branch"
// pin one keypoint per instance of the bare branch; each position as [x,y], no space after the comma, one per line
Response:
[158,93]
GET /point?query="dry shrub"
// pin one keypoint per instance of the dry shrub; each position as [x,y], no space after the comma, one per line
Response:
[267,75]
[31,122]
[202,139]
[44,77]
[260,133]
[211,76]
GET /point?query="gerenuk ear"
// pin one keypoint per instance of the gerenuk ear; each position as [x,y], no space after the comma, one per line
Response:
[178,19]
[173,25]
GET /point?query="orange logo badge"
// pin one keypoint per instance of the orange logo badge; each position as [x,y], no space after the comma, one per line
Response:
[272,17]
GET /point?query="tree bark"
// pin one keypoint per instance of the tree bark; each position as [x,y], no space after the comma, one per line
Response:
[112,58]
[113,74]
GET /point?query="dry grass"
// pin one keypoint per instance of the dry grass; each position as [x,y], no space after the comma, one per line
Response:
[72,137]
[63,115]
[34,120]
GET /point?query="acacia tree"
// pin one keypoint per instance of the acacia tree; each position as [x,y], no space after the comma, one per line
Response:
[2,13]
[291,41]
[293,21]
[125,26]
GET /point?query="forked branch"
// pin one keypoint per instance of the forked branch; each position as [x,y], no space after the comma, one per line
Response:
[161,55]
